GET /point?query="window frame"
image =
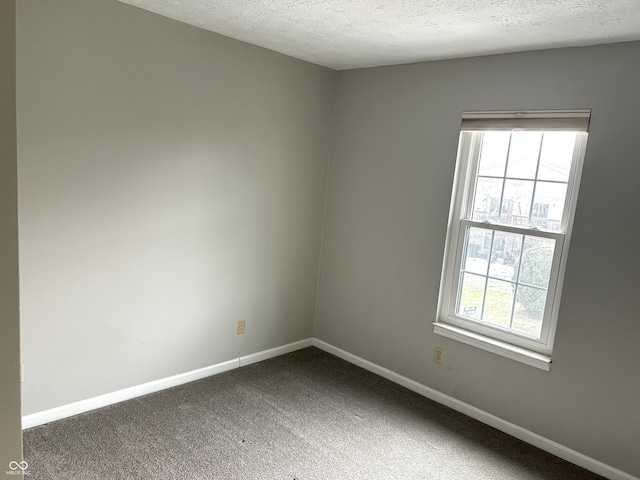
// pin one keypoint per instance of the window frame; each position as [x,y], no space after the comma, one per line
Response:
[535,352]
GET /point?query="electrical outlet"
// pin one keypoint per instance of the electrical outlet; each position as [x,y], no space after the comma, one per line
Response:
[438,355]
[241,326]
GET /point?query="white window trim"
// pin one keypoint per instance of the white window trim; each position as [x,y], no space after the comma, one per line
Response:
[489,344]
[536,353]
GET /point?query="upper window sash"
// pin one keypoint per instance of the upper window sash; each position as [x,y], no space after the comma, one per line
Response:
[470,146]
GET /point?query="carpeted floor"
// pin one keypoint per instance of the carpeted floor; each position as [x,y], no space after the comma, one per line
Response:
[305,415]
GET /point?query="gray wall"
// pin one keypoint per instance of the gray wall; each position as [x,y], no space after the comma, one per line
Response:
[10,428]
[391,173]
[171,181]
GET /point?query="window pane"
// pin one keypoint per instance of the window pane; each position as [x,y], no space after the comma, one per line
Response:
[486,201]
[505,255]
[478,246]
[535,265]
[529,310]
[498,303]
[493,157]
[523,154]
[548,206]
[556,156]
[471,296]
[516,202]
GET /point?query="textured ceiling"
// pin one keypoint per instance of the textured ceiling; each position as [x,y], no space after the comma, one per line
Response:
[345,34]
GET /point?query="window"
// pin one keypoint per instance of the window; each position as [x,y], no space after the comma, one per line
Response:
[514,197]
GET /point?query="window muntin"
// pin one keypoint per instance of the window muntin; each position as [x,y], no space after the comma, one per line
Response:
[510,223]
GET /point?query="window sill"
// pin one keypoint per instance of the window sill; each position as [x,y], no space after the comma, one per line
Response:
[519,354]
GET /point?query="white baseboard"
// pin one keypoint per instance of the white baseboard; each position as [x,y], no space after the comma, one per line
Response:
[527,436]
[89,404]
